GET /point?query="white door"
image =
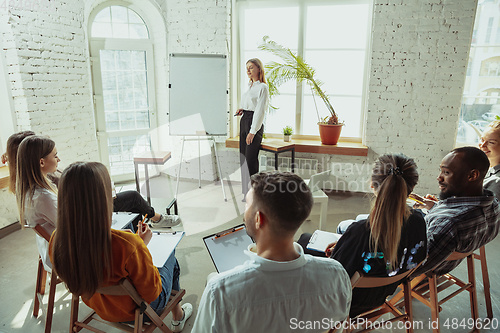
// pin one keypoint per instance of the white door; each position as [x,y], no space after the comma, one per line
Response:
[124,101]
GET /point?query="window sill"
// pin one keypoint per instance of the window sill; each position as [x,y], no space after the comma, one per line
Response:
[310,146]
[4,177]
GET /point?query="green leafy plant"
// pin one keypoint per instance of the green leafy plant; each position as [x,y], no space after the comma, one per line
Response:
[293,67]
[287,130]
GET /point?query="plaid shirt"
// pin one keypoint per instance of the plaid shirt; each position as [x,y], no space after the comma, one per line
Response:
[461,224]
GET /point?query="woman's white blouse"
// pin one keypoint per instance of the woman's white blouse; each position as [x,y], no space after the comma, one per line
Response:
[256,99]
[42,210]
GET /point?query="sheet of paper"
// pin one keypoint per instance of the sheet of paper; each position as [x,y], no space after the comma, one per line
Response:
[162,245]
[122,219]
[320,240]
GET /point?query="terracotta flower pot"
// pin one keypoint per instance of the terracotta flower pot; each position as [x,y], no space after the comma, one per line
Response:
[329,134]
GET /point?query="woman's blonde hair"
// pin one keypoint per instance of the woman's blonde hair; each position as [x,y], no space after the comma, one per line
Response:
[393,178]
[29,174]
[260,66]
[12,146]
[494,124]
[81,248]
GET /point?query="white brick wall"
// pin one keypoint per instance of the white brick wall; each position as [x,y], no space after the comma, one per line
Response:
[46,54]
[419,60]
[8,208]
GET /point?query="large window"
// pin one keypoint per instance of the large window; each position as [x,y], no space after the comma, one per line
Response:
[332,36]
[123,86]
[481,98]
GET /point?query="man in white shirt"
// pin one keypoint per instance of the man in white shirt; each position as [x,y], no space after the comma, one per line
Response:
[280,289]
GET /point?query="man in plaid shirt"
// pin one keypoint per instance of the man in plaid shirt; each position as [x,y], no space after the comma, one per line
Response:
[466,217]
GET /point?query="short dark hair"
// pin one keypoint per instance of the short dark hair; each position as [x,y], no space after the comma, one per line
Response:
[284,198]
[473,158]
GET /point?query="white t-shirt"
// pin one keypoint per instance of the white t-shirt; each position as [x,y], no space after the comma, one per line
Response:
[41,209]
[270,296]
[256,99]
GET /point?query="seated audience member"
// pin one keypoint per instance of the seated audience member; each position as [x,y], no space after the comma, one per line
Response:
[279,288]
[36,195]
[125,201]
[466,216]
[490,145]
[391,240]
[88,254]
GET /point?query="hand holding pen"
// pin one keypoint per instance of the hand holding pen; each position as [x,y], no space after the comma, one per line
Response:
[144,231]
[239,112]
[426,202]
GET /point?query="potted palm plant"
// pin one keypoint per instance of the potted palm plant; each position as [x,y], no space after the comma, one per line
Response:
[293,67]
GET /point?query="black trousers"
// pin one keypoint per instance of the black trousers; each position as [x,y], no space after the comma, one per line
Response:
[249,154]
[132,201]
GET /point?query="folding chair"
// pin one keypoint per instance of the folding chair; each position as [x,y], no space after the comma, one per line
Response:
[41,279]
[125,287]
[359,280]
[425,288]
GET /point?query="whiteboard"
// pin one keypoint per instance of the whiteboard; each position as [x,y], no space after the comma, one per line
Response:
[198,94]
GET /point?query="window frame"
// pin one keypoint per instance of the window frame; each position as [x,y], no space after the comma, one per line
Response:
[300,93]
[105,43]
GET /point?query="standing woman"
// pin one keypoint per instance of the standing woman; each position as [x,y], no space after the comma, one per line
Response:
[490,145]
[36,195]
[254,104]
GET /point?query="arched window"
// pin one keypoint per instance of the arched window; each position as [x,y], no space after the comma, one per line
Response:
[123,84]
[119,22]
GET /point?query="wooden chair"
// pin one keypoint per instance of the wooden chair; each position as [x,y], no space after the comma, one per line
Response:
[41,280]
[359,280]
[486,280]
[125,287]
[425,288]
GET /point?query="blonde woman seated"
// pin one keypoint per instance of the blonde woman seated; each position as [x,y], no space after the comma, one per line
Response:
[88,254]
[490,145]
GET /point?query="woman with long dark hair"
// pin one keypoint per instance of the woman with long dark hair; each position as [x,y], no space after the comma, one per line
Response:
[88,254]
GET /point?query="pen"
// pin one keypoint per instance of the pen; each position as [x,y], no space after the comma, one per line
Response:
[219,235]
[144,219]
[420,202]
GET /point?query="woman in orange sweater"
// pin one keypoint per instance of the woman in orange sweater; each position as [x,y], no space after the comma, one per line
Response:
[87,254]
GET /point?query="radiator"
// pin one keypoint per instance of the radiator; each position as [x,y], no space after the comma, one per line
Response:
[304,167]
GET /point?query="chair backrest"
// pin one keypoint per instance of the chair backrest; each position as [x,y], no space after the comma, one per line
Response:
[317,181]
[40,231]
[458,255]
[359,280]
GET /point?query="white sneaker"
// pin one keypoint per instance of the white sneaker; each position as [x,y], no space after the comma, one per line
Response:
[166,221]
[178,325]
